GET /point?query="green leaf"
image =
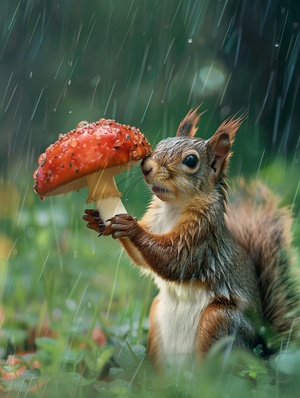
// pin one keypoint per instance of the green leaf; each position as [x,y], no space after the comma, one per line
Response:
[117,388]
[74,378]
[98,358]
[30,374]
[12,368]
[72,356]
[14,384]
[130,356]
[122,373]
[236,387]
[139,351]
[15,335]
[286,362]
[46,343]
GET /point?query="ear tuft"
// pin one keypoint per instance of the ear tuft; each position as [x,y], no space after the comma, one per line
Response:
[187,128]
[231,126]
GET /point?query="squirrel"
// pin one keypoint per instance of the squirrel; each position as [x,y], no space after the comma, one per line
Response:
[222,267]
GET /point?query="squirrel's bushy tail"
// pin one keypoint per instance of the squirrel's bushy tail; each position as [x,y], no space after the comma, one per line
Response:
[263,229]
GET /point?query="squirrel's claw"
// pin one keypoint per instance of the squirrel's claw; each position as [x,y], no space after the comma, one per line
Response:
[118,226]
[98,227]
[94,221]
[91,214]
[122,225]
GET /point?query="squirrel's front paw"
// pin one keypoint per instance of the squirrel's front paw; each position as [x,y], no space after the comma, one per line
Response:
[119,226]
[94,221]
[122,225]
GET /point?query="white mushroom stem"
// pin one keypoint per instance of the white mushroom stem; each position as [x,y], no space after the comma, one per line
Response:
[110,206]
[104,192]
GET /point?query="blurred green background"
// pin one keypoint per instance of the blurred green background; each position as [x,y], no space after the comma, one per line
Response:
[143,63]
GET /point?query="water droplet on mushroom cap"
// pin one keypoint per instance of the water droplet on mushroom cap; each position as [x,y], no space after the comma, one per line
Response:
[82,124]
[74,143]
[118,144]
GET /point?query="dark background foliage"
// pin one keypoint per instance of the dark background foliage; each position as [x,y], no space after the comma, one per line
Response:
[147,63]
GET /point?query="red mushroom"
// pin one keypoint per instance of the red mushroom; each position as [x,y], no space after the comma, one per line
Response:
[90,156]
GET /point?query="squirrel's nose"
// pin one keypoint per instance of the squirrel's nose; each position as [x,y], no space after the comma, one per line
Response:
[146,167]
[146,171]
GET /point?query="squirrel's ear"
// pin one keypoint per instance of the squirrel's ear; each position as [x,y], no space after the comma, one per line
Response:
[219,150]
[220,143]
[187,128]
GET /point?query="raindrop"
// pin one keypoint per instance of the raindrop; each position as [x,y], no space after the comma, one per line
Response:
[69,82]
[58,69]
[109,98]
[190,40]
[30,232]
[70,112]
[89,36]
[225,111]
[276,45]
[30,75]
[96,85]
[147,105]
[82,124]
[74,143]
[37,103]
[118,144]
[169,49]
[7,88]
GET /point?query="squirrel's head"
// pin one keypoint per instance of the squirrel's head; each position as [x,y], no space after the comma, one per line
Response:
[185,167]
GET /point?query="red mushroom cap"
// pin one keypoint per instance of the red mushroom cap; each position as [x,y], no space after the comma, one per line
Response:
[87,149]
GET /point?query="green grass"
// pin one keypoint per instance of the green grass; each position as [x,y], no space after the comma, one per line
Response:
[58,276]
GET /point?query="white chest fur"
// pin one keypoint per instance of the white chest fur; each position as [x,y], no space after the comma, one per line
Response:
[178,314]
[180,306]
[164,216]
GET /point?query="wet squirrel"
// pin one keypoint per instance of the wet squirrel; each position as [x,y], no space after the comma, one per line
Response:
[222,268]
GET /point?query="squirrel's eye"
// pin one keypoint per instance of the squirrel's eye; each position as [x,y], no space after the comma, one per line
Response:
[190,161]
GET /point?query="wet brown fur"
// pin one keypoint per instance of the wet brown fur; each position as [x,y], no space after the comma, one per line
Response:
[266,237]
[238,253]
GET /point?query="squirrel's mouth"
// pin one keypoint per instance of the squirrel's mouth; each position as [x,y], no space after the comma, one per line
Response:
[159,190]
[162,193]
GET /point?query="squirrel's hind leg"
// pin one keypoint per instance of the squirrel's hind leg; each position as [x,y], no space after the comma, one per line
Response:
[222,320]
